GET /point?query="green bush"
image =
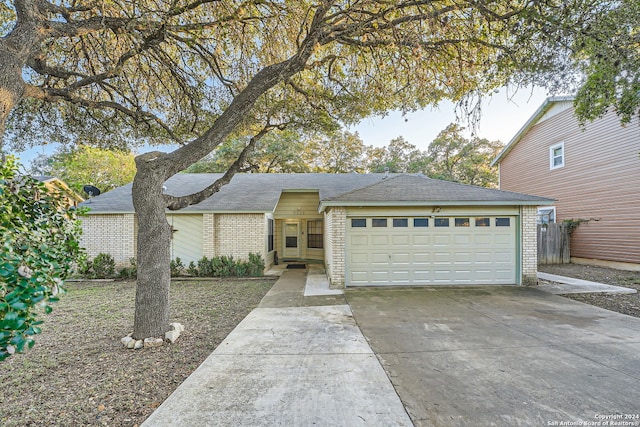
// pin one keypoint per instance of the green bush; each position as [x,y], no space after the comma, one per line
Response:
[39,236]
[192,270]
[226,266]
[129,272]
[256,264]
[205,268]
[103,266]
[177,267]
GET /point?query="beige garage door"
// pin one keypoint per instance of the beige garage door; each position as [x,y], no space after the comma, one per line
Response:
[431,251]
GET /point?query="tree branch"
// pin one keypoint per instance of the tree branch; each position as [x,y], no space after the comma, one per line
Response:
[176,203]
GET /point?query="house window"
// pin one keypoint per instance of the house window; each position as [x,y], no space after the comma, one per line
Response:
[400,222]
[556,156]
[483,222]
[358,222]
[314,234]
[270,225]
[420,222]
[441,222]
[503,222]
[546,215]
[462,222]
[379,222]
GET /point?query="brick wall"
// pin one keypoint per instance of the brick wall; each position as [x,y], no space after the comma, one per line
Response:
[209,234]
[111,234]
[529,246]
[239,234]
[335,228]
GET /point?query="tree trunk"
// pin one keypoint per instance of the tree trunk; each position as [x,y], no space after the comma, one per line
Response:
[11,86]
[153,254]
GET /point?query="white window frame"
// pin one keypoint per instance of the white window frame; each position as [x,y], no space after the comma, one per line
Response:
[554,147]
[546,208]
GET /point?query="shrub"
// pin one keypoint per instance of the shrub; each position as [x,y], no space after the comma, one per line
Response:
[192,270]
[204,267]
[226,266]
[129,272]
[176,267]
[39,237]
[103,266]
[256,264]
[223,266]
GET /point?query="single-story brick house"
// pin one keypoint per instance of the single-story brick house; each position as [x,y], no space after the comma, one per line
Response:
[367,229]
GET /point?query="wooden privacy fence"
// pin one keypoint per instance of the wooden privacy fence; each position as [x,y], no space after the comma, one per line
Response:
[553,244]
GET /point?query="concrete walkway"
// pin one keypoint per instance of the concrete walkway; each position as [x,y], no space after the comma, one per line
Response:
[293,361]
[569,285]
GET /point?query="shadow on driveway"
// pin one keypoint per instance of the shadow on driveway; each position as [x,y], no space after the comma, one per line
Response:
[502,356]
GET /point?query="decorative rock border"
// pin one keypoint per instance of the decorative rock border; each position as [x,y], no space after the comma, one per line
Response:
[170,336]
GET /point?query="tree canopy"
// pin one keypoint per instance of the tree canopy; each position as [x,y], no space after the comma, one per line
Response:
[198,72]
[82,165]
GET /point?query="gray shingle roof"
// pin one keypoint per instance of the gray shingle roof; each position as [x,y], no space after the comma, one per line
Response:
[261,192]
[418,188]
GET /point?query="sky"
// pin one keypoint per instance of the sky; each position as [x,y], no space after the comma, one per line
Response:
[503,114]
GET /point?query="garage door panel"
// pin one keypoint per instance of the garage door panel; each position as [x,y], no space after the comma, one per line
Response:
[400,240]
[400,258]
[482,239]
[421,258]
[441,239]
[462,239]
[379,240]
[432,255]
[380,258]
[359,240]
[420,240]
[442,258]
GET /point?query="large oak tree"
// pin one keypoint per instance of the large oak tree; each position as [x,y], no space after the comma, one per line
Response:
[195,72]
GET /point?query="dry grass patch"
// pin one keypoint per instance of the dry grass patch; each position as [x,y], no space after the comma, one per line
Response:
[79,374]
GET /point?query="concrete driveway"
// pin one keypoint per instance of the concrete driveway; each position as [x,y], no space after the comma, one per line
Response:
[503,356]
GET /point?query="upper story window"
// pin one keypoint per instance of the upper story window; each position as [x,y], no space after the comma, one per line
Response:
[556,156]
[546,215]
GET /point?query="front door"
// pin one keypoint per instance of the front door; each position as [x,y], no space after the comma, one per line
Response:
[291,240]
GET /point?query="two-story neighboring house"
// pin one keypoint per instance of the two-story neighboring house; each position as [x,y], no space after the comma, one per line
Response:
[593,172]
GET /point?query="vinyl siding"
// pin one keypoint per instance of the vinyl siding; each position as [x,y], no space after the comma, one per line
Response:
[297,207]
[600,181]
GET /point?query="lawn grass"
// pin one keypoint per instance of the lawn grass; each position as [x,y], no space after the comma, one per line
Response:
[78,373]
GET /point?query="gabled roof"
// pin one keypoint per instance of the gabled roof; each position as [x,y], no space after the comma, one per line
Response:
[533,120]
[419,190]
[261,192]
[52,182]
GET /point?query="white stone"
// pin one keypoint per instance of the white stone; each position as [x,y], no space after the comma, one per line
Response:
[126,340]
[131,343]
[138,345]
[172,336]
[177,327]
[153,342]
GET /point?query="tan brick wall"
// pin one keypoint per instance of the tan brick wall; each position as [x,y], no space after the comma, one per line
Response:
[529,246]
[335,228]
[238,235]
[209,234]
[111,234]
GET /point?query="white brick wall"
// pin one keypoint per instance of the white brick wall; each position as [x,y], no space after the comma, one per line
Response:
[239,234]
[335,228]
[209,234]
[111,234]
[529,246]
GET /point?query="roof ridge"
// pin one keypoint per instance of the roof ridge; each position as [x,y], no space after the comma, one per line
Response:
[385,178]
